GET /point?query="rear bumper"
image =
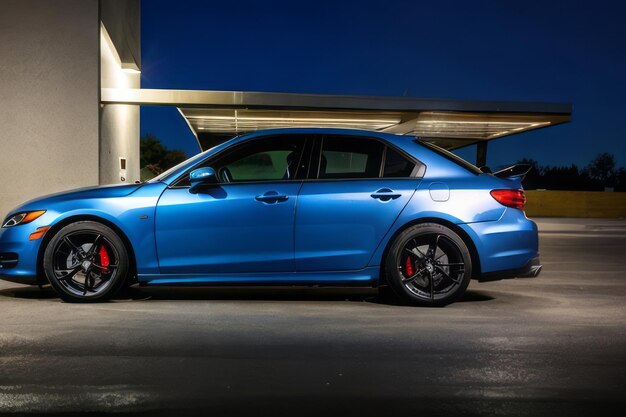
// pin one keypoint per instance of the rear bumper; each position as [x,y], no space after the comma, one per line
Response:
[531,270]
[506,248]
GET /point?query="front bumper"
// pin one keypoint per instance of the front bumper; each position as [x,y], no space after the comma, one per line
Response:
[19,255]
[21,279]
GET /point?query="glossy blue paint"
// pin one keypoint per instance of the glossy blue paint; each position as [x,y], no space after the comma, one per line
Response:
[202,175]
[326,232]
[339,224]
[226,229]
[365,276]
[494,241]
[15,240]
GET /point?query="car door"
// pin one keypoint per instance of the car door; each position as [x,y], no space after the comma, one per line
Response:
[343,212]
[245,222]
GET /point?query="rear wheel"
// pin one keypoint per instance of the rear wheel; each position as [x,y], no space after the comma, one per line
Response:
[86,262]
[428,264]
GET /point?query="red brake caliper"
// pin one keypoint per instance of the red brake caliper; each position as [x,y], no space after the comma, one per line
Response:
[104,259]
[408,266]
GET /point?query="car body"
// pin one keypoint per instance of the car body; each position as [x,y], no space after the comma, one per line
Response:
[328,219]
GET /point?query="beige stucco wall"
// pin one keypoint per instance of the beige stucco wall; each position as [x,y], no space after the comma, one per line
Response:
[49,69]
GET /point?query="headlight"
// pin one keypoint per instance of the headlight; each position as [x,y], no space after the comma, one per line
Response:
[23,218]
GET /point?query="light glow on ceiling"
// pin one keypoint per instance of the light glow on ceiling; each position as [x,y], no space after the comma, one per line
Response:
[472,125]
[451,129]
[237,121]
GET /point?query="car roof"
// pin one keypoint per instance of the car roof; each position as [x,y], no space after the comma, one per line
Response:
[168,176]
[325,131]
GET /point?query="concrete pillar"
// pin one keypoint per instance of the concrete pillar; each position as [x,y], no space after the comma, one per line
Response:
[119,123]
[120,51]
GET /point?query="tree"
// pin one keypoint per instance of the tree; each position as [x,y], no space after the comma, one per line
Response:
[598,174]
[602,168]
[532,180]
[156,158]
[620,179]
[151,150]
[173,158]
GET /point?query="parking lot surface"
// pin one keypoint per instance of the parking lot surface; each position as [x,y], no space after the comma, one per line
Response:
[553,345]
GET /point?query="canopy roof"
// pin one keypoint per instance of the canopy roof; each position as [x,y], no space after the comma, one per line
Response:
[449,123]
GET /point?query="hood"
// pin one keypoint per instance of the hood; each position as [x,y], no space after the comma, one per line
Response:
[105,191]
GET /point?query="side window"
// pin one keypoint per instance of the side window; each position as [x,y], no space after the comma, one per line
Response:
[396,165]
[275,158]
[269,159]
[350,157]
[260,166]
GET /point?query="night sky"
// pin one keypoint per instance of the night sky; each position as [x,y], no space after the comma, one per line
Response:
[560,51]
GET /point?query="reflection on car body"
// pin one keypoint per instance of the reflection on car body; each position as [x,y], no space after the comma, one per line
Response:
[283,207]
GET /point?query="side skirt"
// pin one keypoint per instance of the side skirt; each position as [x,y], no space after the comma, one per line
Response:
[367,277]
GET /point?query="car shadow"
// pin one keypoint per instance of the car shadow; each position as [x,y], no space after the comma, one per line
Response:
[136,293]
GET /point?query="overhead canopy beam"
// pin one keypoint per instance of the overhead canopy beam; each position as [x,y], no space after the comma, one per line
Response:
[232,99]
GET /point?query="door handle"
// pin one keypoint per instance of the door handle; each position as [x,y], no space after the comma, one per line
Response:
[385,194]
[272,197]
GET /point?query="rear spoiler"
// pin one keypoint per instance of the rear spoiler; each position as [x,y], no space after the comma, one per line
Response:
[518,171]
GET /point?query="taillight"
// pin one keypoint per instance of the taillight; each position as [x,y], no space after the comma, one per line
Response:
[510,198]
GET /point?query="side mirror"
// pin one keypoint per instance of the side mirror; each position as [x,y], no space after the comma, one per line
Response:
[201,176]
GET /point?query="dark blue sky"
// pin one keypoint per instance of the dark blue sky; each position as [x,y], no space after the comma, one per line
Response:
[563,51]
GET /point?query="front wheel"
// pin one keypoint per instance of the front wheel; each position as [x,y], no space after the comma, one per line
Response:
[428,264]
[86,262]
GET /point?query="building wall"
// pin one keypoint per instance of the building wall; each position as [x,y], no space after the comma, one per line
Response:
[49,72]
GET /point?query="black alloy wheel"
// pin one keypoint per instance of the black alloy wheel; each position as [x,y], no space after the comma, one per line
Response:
[86,262]
[428,264]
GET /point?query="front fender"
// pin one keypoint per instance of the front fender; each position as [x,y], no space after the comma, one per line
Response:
[133,215]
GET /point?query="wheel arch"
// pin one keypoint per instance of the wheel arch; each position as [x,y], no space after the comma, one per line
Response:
[41,276]
[476,269]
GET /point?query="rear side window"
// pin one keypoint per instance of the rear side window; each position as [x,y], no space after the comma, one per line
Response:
[348,157]
[396,165]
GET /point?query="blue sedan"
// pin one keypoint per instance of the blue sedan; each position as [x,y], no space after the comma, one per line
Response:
[327,207]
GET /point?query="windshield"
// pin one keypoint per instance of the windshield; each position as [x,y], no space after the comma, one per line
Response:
[193,160]
[190,161]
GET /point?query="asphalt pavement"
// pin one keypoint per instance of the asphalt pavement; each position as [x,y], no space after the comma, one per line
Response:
[553,345]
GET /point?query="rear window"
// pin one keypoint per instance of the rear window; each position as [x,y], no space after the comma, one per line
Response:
[451,157]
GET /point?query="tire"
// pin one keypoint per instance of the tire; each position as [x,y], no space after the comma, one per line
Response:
[86,262]
[428,265]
